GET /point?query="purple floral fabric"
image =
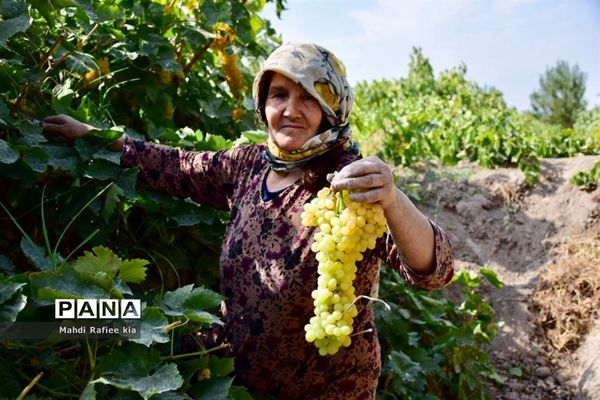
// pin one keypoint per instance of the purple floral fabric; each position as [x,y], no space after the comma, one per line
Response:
[268,273]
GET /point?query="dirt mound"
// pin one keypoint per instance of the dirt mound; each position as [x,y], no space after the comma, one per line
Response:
[572,281]
[586,372]
[496,220]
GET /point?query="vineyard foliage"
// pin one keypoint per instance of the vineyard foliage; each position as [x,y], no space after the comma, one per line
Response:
[449,118]
[74,224]
[433,347]
[176,72]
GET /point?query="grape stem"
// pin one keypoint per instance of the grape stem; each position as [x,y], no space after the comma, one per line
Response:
[362,332]
[339,204]
[387,306]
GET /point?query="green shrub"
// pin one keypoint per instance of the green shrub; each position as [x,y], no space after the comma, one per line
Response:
[432,348]
[449,118]
[152,69]
[587,180]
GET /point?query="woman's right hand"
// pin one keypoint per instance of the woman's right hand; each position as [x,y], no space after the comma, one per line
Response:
[65,127]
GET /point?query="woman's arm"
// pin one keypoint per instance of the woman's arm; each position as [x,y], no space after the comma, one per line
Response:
[69,129]
[205,177]
[373,182]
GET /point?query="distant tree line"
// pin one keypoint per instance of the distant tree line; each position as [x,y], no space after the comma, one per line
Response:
[560,97]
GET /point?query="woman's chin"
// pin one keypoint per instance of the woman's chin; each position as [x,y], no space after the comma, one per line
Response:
[288,145]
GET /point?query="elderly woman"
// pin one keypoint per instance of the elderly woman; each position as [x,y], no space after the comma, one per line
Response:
[267,268]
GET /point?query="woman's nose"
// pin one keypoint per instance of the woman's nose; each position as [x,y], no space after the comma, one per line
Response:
[292,107]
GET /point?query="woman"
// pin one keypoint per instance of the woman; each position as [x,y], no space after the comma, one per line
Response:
[267,268]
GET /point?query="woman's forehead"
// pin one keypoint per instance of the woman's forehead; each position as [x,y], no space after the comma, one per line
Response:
[281,81]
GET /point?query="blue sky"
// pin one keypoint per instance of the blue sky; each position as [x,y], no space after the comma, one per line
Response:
[506,44]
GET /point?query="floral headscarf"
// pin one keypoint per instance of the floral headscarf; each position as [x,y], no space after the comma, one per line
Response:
[320,73]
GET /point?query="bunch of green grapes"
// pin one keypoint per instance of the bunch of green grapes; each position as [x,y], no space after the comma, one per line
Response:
[345,230]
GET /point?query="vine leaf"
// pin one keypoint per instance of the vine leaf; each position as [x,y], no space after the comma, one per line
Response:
[138,369]
[100,262]
[11,26]
[491,276]
[11,300]
[101,267]
[63,283]
[111,201]
[89,393]
[8,155]
[133,271]
[6,265]
[153,327]
[190,303]
[212,389]
[36,254]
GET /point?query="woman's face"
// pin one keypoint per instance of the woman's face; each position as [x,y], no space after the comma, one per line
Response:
[293,115]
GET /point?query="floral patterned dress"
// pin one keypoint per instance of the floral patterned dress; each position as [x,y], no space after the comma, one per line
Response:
[268,273]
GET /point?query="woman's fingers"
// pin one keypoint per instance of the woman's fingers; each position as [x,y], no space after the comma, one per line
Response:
[369,196]
[56,119]
[362,167]
[65,127]
[372,180]
[57,130]
[369,180]
[363,174]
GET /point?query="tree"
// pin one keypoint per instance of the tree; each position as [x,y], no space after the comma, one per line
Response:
[560,97]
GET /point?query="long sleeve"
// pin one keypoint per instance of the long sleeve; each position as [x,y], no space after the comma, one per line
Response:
[444,261]
[204,177]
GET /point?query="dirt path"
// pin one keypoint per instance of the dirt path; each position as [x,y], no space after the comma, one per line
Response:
[494,220]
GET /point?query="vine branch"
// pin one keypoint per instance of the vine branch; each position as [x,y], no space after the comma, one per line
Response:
[30,386]
[197,55]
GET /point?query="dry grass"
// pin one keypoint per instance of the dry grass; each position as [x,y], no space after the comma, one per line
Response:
[567,299]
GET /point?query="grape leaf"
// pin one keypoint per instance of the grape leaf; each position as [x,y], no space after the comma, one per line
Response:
[6,265]
[133,270]
[8,289]
[12,26]
[101,259]
[212,389]
[239,393]
[8,155]
[63,284]
[152,328]
[221,366]
[491,276]
[36,254]
[11,300]
[190,303]
[138,369]
[111,201]
[170,396]
[202,299]
[89,393]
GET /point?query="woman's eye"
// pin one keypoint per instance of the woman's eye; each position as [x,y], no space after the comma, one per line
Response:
[277,95]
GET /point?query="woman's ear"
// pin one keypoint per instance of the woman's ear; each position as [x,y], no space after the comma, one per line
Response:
[263,91]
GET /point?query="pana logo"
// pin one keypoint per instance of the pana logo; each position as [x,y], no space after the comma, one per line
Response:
[97,309]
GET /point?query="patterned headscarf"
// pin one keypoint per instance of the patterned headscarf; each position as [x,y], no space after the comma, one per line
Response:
[320,73]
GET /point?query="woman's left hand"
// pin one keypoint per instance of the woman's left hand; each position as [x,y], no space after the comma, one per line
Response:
[371,180]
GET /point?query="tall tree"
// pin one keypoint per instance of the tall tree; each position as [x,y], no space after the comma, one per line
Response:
[560,97]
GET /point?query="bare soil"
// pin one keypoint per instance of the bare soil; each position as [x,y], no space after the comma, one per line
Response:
[494,219]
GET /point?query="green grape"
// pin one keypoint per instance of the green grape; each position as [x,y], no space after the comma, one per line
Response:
[345,230]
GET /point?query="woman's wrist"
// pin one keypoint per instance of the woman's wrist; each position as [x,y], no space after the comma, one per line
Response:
[412,233]
[118,144]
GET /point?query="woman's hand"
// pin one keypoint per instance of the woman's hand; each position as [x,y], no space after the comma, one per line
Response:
[65,127]
[371,180]
[69,129]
